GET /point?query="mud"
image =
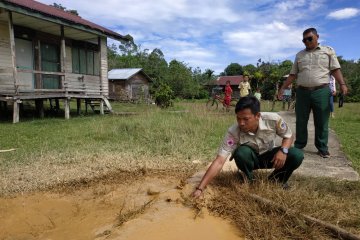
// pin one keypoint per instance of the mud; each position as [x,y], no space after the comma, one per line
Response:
[98,211]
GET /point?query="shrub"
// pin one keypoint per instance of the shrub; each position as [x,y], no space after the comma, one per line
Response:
[163,96]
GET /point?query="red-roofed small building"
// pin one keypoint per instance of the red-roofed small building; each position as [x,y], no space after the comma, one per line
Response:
[50,54]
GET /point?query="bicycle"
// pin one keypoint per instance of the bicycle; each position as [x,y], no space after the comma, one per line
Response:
[213,103]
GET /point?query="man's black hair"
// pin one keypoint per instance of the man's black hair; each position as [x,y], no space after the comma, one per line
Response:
[250,102]
[309,30]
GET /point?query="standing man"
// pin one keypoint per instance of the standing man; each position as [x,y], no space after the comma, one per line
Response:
[311,68]
[245,86]
[251,143]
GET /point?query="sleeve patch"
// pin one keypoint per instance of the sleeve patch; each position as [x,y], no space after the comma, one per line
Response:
[230,142]
[282,125]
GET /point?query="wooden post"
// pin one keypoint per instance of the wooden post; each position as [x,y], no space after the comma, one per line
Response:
[86,106]
[100,68]
[78,106]
[13,55]
[67,108]
[16,111]
[57,104]
[102,107]
[63,57]
[39,104]
[37,58]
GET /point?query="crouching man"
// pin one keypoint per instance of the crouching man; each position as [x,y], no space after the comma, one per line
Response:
[251,143]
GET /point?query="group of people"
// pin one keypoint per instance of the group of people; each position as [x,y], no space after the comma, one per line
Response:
[250,142]
[244,87]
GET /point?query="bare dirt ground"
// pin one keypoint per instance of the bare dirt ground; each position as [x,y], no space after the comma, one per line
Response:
[124,206]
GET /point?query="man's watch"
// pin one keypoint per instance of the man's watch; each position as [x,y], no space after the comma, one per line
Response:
[284,150]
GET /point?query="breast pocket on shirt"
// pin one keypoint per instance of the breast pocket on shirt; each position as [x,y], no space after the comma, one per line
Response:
[303,64]
[323,60]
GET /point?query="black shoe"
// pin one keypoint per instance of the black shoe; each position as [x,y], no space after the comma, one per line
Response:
[324,154]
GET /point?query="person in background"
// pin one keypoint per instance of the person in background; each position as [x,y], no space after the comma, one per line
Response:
[228,92]
[311,68]
[250,142]
[275,97]
[244,86]
[332,87]
[287,97]
[257,94]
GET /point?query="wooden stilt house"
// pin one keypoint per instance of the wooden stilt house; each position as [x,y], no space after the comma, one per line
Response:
[49,54]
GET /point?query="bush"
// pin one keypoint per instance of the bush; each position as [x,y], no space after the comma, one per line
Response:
[163,96]
[203,94]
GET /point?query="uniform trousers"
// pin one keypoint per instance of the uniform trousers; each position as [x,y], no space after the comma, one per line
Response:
[248,160]
[318,102]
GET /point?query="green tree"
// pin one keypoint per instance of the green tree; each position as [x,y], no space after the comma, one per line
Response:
[250,69]
[233,69]
[351,73]
[180,80]
[59,6]
[156,66]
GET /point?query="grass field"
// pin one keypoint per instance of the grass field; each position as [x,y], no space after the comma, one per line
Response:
[346,124]
[181,139]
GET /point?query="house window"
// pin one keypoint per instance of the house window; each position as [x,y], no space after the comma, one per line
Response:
[85,61]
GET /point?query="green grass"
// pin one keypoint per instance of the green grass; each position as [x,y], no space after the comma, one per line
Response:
[346,124]
[153,132]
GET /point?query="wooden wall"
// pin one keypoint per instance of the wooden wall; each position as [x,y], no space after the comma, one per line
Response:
[104,67]
[6,72]
[81,83]
[75,83]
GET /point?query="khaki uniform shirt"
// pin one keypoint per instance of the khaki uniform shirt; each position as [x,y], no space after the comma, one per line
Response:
[270,126]
[244,88]
[313,67]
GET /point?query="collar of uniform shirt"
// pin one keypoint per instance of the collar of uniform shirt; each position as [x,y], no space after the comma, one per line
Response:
[261,126]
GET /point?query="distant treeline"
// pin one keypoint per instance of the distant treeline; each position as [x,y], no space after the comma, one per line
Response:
[187,82]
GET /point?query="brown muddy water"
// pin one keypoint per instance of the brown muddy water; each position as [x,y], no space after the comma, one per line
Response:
[94,212]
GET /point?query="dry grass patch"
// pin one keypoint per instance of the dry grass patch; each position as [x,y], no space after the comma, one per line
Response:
[325,199]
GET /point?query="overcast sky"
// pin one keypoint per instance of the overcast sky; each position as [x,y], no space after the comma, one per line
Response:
[214,33]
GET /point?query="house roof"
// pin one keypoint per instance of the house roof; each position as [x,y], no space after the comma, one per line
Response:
[234,80]
[50,11]
[125,73]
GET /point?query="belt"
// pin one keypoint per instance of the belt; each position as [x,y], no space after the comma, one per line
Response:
[314,88]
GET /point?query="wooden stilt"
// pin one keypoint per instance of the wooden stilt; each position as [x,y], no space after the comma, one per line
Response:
[67,108]
[78,106]
[57,104]
[39,104]
[102,107]
[16,112]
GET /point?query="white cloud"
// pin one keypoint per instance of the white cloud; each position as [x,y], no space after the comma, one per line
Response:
[344,13]
[212,33]
[275,40]
[289,5]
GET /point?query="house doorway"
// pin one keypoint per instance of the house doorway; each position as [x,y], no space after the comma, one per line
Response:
[24,61]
